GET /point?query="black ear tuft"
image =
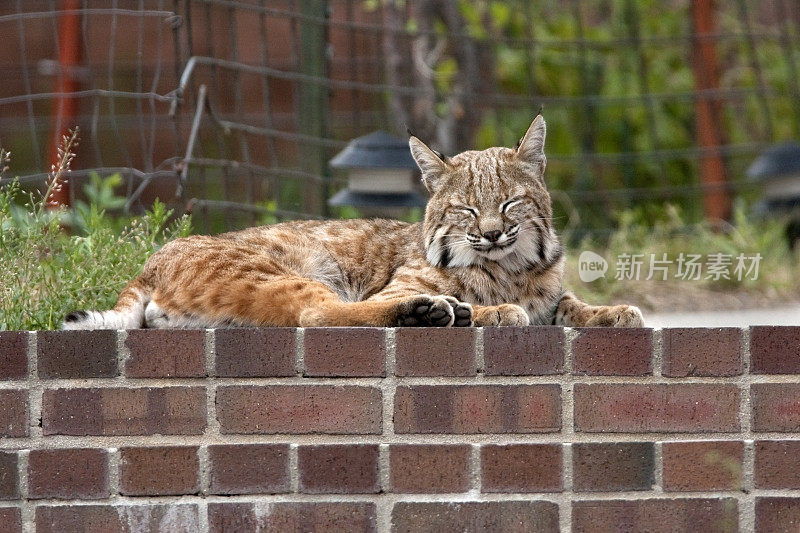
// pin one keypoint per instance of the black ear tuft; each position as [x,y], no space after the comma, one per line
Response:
[76,316]
[435,152]
[541,106]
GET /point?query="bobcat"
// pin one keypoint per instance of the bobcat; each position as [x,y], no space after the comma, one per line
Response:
[485,255]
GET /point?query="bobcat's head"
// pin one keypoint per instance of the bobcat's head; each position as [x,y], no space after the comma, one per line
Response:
[488,206]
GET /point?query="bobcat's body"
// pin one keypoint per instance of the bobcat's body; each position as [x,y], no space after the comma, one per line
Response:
[485,255]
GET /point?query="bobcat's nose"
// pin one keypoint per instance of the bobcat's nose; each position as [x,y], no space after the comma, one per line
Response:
[493,235]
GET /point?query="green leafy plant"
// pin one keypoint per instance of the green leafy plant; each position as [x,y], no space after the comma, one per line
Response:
[46,272]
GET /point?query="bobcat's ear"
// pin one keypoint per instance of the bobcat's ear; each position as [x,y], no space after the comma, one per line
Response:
[430,163]
[531,147]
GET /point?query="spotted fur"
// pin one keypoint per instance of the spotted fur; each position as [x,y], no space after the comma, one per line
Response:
[486,254]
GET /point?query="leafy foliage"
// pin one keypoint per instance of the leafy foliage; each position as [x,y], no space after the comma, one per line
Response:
[47,272]
[616,76]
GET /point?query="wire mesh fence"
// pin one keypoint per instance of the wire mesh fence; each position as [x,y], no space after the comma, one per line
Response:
[232,109]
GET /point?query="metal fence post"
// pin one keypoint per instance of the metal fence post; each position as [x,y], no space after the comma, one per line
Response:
[66,107]
[708,113]
[314,101]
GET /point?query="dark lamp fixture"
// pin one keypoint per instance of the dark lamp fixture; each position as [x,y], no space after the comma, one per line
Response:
[778,171]
[380,173]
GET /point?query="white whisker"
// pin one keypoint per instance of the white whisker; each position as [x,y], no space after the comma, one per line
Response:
[451,244]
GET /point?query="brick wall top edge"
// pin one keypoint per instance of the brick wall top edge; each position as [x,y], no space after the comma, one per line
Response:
[418,352]
[763,328]
[362,352]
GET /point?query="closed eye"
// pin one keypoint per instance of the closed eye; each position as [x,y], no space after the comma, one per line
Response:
[466,209]
[509,204]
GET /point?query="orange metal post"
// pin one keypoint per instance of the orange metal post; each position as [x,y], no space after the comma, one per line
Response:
[708,113]
[66,108]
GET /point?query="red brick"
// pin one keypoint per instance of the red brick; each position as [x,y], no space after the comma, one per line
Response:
[234,516]
[247,352]
[658,408]
[537,516]
[521,468]
[656,515]
[776,464]
[775,350]
[77,354]
[13,355]
[9,484]
[776,406]
[10,520]
[613,351]
[703,466]
[338,469]
[14,414]
[173,517]
[613,466]
[435,352]
[702,352]
[68,474]
[343,517]
[423,468]
[477,409]
[117,519]
[164,353]
[523,351]
[299,409]
[123,411]
[347,352]
[249,468]
[75,411]
[777,515]
[79,518]
[159,471]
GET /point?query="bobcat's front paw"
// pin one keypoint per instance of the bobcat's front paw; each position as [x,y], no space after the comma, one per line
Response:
[425,310]
[462,312]
[617,316]
[502,315]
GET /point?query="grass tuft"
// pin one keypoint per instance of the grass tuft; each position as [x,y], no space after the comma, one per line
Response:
[669,237]
[55,260]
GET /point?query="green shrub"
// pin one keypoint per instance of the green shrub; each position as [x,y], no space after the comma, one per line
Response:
[56,261]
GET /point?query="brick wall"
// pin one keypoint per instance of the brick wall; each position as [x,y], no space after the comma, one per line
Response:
[513,429]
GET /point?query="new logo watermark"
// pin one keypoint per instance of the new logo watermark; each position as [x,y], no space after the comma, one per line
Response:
[686,267]
[591,266]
